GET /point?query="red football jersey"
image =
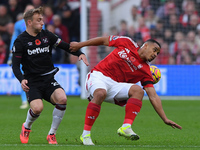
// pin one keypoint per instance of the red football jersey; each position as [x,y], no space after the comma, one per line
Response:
[124,64]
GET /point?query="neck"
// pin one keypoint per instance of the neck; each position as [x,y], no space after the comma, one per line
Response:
[140,53]
[31,32]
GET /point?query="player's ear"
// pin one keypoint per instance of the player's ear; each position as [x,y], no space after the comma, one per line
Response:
[29,22]
[145,45]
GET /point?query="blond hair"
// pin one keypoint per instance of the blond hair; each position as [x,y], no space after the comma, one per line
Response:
[28,15]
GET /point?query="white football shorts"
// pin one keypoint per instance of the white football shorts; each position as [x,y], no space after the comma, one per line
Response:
[116,91]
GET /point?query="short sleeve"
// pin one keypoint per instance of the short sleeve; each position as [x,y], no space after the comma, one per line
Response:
[124,41]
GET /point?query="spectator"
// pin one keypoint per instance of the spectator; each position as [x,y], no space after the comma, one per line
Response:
[2,52]
[48,15]
[14,9]
[57,53]
[175,46]
[150,19]
[181,54]
[167,9]
[144,7]
[160,28]
[114,31]
[7,37]
[60,29]
[193,22]
[136,36]
[168,36]
[5,18]
[37,3]
[71,19]
[188,10]
[172,60]
[193,45]
[164,55]
[173,25]
[123,31]
[145,33]
[135,17]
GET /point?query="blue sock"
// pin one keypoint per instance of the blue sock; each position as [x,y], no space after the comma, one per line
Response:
[23,96]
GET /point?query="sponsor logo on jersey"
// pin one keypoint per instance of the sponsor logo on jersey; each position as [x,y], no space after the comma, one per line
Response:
[38,50]
[131,61]
[37,42]
[140,66]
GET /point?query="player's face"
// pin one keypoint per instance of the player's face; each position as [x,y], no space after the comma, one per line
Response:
[37,23]
[152,51]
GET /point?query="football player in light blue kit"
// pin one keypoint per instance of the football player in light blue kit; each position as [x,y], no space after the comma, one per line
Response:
[20,27]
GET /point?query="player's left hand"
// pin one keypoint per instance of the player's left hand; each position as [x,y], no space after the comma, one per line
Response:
[172,124]
[83,57]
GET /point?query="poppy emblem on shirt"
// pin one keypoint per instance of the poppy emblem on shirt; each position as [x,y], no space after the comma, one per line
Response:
[37,42]
[133,59]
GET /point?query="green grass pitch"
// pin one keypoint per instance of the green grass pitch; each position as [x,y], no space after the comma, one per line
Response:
[154,134]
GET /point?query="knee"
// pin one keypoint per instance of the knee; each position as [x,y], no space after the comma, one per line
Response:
[136,92]
[63,101]
[99,96]
[37,109]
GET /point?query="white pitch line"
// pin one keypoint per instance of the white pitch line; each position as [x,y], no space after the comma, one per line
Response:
[139,146]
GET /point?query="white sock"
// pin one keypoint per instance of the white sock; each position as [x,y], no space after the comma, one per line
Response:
[126,124]
[57,118]
[85,132]
[31,117]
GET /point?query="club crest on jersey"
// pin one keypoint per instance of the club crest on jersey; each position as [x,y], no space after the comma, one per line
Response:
[37,42]
[45,40]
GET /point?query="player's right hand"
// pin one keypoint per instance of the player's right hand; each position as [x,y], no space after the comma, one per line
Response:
[172,124]
[24,85]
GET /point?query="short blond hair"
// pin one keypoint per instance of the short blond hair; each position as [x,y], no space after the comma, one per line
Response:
[29,14]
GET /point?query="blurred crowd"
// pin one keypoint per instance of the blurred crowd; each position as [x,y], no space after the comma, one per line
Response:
[59,18]
[173,23]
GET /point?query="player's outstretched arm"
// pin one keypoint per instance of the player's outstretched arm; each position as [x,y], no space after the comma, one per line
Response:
[74,46]
[156,102]
[84,59]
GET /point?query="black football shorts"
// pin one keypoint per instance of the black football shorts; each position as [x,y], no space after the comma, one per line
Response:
[42,89]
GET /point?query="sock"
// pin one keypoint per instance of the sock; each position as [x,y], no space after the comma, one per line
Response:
[92,113]
[58,114]
[23,97]
[85,132]
[133,107]
[31,117]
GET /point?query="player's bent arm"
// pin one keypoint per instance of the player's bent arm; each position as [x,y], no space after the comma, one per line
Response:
[156,102]
[74,46]
[16,60]
[65,46]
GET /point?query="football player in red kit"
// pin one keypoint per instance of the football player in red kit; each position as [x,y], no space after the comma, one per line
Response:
[114,80]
